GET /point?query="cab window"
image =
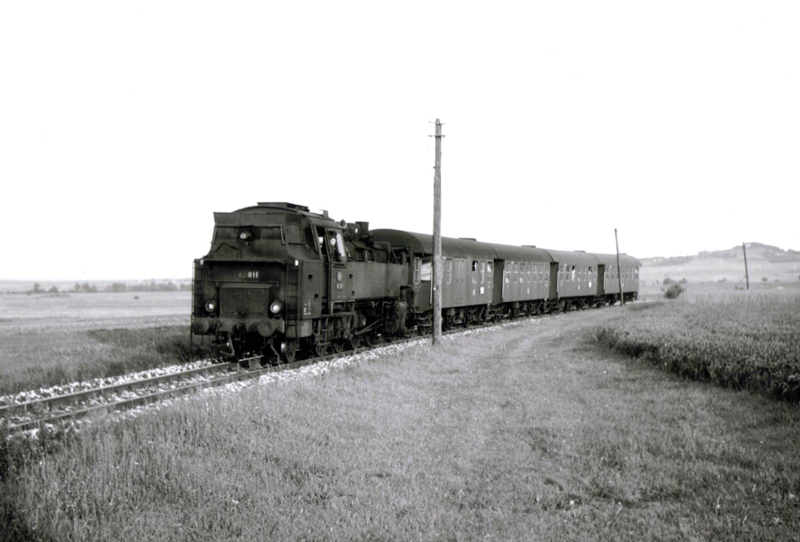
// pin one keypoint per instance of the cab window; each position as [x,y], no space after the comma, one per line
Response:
[425,271]
[341,252]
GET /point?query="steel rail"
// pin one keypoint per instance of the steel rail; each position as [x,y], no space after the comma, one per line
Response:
[163,394]
[84,395]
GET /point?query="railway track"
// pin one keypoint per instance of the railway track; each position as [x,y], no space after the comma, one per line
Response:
[51,411]
[55,410]
[35,414]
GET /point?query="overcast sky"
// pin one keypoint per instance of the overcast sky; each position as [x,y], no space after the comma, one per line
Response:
[125,125]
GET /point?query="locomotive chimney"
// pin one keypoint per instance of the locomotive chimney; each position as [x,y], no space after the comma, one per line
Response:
[363,227]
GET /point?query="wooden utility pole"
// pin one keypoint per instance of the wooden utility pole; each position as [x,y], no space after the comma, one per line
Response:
[619,270]
[746,274]
[437,238]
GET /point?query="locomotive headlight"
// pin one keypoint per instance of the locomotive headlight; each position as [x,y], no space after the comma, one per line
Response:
[210,306]
[276,307]
[245,236]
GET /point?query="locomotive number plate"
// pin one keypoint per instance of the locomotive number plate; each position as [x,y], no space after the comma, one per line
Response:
[249,275]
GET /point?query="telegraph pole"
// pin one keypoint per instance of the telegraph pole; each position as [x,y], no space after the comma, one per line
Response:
[619,270]
[438,271]
[746,274]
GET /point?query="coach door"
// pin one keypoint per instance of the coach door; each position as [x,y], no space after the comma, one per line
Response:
[554,293]
[460,287]
[498,290]
[601,280]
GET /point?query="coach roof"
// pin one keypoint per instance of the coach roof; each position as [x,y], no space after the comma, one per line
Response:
[421,243]
[624,260]
[519,254]
[573,257]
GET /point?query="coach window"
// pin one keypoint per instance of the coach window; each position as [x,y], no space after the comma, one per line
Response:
[483,272]
[417,264]
[572,276]
[448,271]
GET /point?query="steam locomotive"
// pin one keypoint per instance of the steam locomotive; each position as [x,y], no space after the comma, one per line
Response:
[282,282]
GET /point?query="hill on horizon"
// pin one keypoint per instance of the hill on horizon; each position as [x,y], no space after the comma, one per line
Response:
[763,261]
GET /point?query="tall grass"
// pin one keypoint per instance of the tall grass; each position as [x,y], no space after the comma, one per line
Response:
[49,357]
[740,340]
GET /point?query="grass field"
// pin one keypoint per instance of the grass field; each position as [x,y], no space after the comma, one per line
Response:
[742,340]
[654,290]
[529,432]
[47,340]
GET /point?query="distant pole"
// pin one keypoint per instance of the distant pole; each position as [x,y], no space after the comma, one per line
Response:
[619,270]
[437,238]
[746,274]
